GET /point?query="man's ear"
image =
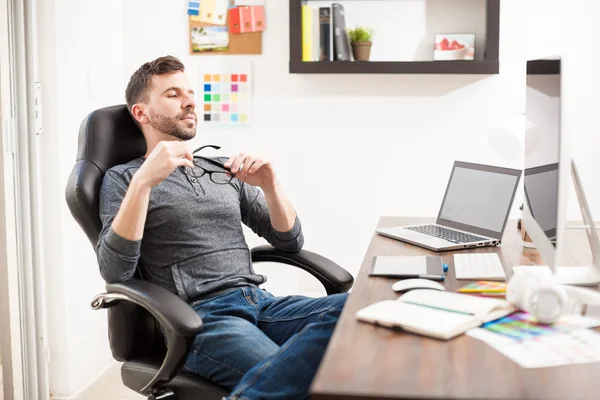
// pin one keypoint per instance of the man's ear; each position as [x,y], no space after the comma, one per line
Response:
[138,112]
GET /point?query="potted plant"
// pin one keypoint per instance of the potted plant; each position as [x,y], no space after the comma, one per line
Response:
[360,38]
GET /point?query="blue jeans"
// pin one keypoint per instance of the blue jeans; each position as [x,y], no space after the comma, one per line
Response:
[261,346]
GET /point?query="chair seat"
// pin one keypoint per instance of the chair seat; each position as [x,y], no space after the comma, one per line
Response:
[187,386]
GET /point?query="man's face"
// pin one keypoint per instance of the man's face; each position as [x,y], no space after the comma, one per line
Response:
[171,108]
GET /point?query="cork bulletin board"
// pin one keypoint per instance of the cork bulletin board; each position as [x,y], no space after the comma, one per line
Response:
[206,39]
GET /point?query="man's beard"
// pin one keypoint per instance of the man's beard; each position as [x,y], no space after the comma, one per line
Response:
[172,126]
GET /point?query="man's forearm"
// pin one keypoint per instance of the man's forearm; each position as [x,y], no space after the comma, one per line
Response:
[131,218]
[281,210]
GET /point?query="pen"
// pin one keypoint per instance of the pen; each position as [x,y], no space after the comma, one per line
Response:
[435,277]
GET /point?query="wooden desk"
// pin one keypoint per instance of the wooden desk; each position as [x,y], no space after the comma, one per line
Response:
[364,361]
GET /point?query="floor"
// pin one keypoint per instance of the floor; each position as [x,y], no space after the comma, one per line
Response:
[110,387]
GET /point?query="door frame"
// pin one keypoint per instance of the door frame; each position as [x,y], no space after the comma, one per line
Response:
[20,220]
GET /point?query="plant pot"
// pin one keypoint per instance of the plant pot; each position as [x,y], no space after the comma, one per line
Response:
[361,51]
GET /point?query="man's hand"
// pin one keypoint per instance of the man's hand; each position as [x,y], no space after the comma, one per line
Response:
[163,160]
[254,171]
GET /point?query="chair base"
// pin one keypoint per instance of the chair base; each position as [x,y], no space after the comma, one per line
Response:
[185,386]
[165,395]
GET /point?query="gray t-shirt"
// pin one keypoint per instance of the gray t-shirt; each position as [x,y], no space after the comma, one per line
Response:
[193,242]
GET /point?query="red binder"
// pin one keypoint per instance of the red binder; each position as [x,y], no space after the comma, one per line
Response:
[258,18]
[245,19]
[234,21]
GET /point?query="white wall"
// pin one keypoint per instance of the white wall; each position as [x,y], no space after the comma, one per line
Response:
[77,40]
[349,148]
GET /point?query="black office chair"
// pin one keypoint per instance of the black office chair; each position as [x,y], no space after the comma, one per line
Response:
[142,316]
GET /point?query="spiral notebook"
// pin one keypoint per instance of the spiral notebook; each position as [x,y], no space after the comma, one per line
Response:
[438,314]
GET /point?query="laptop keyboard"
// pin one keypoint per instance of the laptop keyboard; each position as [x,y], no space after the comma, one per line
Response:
[447,234]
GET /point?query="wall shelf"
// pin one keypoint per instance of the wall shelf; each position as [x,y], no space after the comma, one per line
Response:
[489,65]
[543,67]
[385,67]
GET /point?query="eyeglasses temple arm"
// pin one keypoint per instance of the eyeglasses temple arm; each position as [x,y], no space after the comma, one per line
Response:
[207,145]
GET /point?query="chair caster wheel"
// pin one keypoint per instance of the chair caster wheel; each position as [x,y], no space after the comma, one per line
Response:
[164,395]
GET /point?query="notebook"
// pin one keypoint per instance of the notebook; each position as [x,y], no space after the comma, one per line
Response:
[441,315]
[485,288]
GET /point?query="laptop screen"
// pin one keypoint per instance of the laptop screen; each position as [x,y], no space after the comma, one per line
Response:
[478,198]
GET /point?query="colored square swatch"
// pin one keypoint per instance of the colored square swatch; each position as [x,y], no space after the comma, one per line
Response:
[207,117]
[243,118]
[243,78]
[234,88]
[207,78]
[226,78]
[242,87]
[234,108]
[225,107]
[207,88]
[234,78]
[216,117]
[234,98]
[216,87]
[217,78]
[226,96]
[234,118]
[207,107]
[207,97]
[216,97]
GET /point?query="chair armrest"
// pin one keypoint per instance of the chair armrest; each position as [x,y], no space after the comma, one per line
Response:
[179,322]
[334,278]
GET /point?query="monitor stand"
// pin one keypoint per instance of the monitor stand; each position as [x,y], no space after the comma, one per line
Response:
[587,275]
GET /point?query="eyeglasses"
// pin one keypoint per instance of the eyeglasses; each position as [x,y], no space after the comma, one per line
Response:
[218,177]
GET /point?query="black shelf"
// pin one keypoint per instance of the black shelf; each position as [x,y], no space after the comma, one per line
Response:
[490,64]
[390,67]
[543,67]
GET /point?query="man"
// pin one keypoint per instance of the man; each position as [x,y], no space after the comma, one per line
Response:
[179,218]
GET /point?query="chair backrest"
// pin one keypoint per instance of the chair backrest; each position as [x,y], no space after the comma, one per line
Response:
[109,137]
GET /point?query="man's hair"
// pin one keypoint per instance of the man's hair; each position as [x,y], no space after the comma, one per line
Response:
[140,83]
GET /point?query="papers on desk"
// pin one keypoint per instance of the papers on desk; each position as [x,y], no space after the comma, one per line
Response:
[577,347]
[535,346]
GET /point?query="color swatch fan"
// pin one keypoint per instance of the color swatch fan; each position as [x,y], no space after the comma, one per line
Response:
[226,92]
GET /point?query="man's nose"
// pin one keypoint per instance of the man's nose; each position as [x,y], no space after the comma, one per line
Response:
[189,102]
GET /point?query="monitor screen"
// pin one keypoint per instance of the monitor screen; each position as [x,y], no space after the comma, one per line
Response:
[478,198]
[542,144]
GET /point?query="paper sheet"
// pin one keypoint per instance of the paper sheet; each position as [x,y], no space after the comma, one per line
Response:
[575,347]
[226,93]
[249,2]
[522,326]
[541,271]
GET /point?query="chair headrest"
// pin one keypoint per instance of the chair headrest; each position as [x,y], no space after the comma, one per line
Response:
[107,137]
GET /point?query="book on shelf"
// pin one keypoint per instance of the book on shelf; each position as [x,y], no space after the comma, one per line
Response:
[324,35]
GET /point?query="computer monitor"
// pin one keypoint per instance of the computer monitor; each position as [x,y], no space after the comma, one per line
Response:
[547,170]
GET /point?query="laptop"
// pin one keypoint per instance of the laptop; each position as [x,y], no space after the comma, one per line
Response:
[473,213]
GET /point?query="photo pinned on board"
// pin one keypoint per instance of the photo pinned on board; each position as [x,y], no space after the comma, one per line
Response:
[210,39]
[454,46]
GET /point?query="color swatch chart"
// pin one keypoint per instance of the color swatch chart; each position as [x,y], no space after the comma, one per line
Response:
[521,326]
[226,98]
